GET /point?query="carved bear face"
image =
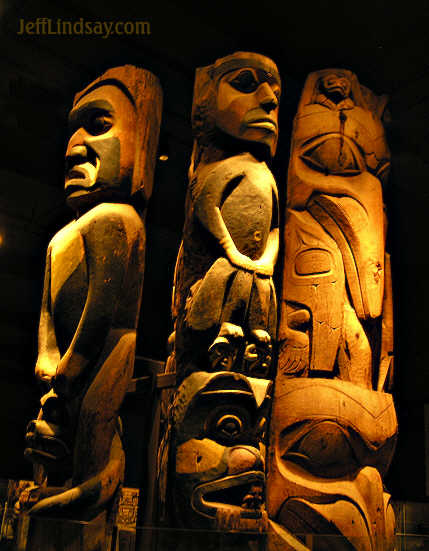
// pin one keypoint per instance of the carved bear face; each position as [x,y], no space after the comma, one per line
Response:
[219,430]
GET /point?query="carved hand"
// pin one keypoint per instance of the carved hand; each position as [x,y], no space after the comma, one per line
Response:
[294,352]
[294,349]
[263,268]
[265,264]
[238,259]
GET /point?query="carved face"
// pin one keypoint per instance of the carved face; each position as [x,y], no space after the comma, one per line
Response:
[247,106]
[336,86]
[333,441]
[101,149]
[219,453]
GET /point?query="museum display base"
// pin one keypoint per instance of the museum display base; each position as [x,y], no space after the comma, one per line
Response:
[37,533]
[44,534]
[55,535]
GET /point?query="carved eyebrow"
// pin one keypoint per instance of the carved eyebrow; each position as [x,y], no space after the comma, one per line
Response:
[266,76]
[79,113]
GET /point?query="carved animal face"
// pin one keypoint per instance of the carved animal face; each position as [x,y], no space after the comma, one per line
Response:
[336,86]
[247,106]
[100,152]
[218,446]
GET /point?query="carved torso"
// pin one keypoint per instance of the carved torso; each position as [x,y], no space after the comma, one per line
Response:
[251,190]
[243,185]
[70,277]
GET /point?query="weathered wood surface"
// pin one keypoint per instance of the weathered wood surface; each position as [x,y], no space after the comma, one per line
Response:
[92,295]
[333,425]
[224,307]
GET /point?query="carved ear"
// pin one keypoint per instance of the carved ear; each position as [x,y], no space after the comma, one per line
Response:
[261,389]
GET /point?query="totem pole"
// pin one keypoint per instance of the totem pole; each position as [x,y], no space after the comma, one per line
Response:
[224,303]
[91,302]
[333,425]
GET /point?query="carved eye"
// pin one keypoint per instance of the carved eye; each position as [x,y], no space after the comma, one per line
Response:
[229,426]
[245,82]
[99,123]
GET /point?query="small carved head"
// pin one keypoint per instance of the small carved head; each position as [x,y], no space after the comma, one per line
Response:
[335,85]
[114,128]
[238,97]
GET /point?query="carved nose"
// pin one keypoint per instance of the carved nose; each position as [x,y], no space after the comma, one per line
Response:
[77,139]
[244,458]
[269,103]
[268,100]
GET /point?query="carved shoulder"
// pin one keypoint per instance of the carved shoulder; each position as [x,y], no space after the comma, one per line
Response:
[214,179]
[112,217]
[61,235]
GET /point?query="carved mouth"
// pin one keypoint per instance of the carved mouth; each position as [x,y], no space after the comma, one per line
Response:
[242,494]
[82,164]
[336,92]
[264,123]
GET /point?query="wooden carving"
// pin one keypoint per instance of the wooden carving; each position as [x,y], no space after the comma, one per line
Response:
[92,293]
[219,424]
[224,302]
[333,425]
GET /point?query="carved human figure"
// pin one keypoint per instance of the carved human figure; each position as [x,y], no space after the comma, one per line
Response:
[333,425]
[213,453]
[224,300]
[92,293]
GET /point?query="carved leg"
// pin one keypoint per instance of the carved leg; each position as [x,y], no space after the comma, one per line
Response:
[354,355]
[262,322]
[99,412]
[98,461]
[210,297]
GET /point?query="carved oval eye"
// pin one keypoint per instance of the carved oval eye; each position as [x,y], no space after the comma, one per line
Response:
[229,426]
[245,82]
[99,124]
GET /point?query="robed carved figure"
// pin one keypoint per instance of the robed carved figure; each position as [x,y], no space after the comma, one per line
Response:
[333,425]
[92,294]
[224,300]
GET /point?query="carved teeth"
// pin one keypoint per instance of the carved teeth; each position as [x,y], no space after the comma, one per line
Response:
[253,498]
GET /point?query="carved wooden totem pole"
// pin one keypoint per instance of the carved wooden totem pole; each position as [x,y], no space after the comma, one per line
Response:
[91,301]
[224,302]
[333,425]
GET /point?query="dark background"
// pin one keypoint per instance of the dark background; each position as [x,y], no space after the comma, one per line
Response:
[384,43]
